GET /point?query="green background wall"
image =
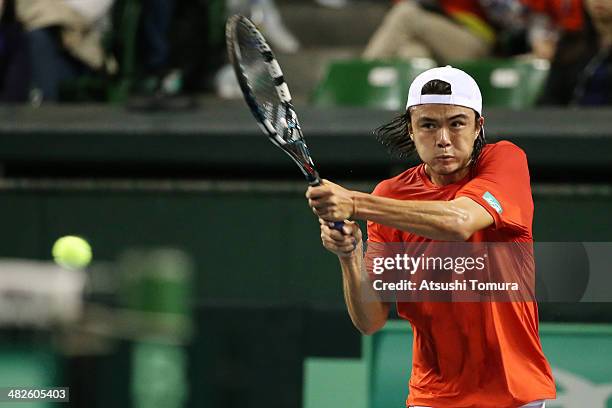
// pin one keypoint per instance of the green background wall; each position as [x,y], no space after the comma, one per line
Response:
[267,294]
[248,246]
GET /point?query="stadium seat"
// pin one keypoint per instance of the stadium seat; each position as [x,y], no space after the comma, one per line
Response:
[508,83]
[388,357]
[375,84]
[334,383]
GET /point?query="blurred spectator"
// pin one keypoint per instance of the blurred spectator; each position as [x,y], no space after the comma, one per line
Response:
[548,18]
[162,87]
[445,30]
[156,18]
[265,15]
[64,40]
[14,57]
[448,30]
[581,71]
[174,52]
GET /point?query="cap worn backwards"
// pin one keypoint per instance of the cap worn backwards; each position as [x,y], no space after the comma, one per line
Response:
[464,89]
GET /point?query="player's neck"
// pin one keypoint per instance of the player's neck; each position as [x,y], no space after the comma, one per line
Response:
[446,179]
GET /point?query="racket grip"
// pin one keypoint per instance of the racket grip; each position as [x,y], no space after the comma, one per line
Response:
[314,180]
[338,225]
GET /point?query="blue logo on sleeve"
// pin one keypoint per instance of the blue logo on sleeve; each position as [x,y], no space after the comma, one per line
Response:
[489,198]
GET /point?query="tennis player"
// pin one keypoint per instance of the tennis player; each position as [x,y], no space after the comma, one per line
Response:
[478,355]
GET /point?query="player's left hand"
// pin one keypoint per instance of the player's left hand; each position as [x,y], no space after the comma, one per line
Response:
[330,201]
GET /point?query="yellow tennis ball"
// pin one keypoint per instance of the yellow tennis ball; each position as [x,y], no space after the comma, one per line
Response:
[71,252]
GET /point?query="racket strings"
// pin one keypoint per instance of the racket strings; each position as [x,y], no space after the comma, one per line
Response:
[260,81]
[266,93]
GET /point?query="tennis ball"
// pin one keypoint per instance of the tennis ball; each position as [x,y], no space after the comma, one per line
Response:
[71,252]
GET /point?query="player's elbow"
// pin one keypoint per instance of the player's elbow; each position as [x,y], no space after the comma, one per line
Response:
[367,332]
[373,322]
[369,329]
[454,236]
[458,227]
[461,234]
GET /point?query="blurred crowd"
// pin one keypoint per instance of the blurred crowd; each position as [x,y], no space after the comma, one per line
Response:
[575,36]
[157,54]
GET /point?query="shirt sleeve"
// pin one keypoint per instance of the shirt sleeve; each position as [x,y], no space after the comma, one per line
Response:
[502,187]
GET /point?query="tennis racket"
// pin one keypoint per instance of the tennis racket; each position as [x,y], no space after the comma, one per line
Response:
[267,94]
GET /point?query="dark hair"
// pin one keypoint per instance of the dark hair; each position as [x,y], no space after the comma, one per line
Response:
[394,135]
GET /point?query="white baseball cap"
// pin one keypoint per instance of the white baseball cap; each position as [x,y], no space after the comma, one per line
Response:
[464,89]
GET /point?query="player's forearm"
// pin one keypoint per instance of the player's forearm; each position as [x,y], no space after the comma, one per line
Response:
[367,312]
[439,220]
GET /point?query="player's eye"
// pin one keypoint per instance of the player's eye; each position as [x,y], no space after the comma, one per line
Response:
[428,125]
[457,124]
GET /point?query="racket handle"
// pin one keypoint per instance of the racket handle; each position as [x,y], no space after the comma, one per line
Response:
[338,225]
[314,180]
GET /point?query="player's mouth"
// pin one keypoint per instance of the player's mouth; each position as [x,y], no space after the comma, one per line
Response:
[445,157]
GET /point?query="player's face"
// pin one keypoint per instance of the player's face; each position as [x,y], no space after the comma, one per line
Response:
[444,136]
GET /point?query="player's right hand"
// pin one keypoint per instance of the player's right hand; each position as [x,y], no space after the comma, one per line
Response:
[345,243]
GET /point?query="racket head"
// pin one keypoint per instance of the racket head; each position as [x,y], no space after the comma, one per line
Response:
[266,92]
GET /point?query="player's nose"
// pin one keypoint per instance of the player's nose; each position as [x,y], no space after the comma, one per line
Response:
[443,138]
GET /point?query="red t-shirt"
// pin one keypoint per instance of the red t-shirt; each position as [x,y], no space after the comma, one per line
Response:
[485,354]
[566,14]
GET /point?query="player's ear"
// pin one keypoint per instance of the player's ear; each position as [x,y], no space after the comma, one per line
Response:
[479,125]
[408,118]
